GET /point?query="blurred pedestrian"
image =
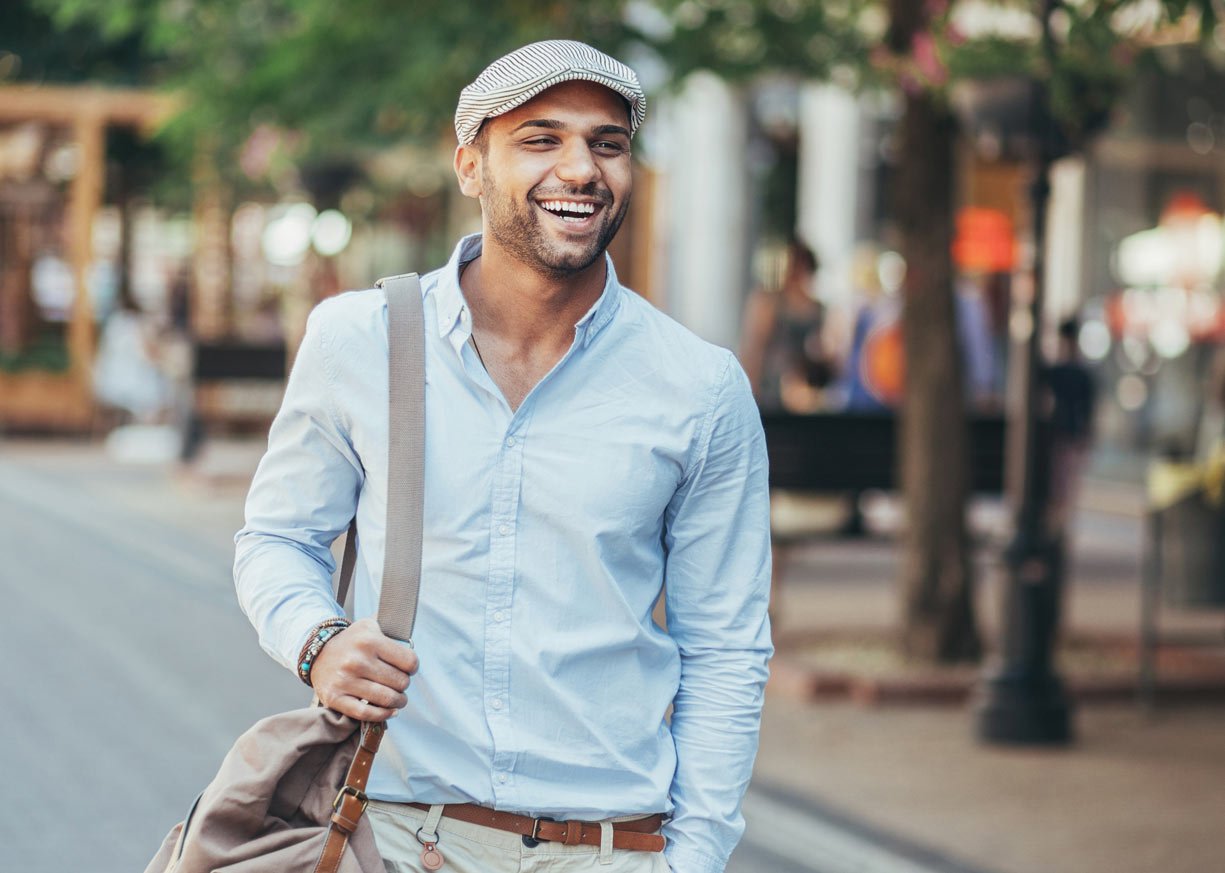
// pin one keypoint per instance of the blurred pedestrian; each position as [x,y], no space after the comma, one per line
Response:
[872,365]
[975,342]
[126,372]
[1072,395]
[782,348]
[581,448]
[1210,434]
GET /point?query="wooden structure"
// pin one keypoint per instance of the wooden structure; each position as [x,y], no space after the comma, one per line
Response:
[64,401]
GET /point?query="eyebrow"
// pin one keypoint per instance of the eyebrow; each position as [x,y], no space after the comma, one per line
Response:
[553,124]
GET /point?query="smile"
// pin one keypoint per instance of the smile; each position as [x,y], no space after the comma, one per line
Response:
[571,211]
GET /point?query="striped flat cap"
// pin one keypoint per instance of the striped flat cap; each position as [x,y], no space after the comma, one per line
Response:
[516,78]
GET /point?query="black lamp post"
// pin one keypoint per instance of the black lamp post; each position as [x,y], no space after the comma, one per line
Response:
[1020,698]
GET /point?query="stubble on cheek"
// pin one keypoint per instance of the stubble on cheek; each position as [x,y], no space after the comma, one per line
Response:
[519,229]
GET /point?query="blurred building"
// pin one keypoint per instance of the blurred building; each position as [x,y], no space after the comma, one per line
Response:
[1134,230]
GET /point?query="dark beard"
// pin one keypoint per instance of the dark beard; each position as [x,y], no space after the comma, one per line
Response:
[517,229]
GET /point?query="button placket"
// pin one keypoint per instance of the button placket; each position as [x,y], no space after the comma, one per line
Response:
[500,594]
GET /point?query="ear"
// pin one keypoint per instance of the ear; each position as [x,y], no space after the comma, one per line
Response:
[468,170]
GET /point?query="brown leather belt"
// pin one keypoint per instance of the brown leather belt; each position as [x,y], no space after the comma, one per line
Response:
[637,835]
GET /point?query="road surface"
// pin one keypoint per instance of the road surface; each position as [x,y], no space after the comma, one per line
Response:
[129,670]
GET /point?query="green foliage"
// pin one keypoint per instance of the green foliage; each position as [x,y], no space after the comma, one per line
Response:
[990,58]
[362,73]
[37,45]
[47,353]
[740,39]
[343,77]
[1084,66]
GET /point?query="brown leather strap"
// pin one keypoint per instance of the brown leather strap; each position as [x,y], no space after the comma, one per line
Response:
[637,835]
[350,803]
[402,555]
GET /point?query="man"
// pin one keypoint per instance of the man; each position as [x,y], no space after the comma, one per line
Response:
[1072,396]
[582,450]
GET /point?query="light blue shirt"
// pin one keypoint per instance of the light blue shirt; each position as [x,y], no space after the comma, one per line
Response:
[638,463]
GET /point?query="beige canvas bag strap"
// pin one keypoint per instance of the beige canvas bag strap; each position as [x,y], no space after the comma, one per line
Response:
[405,508]
[405,462]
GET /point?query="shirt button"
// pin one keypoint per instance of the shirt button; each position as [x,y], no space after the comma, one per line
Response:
[502,777]
[499,615]
[510,442]
[504,529]
[496,703]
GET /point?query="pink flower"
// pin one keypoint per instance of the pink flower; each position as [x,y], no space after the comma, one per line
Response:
[927,59]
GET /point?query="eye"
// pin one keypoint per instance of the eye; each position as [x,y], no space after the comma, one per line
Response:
[609,147]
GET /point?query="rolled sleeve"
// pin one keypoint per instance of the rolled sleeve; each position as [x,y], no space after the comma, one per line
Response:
[717,584]
[302,497]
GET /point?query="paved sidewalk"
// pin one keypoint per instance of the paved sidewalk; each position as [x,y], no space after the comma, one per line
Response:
[1135,794]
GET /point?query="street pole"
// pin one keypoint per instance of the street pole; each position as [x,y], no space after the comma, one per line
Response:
[1021,699]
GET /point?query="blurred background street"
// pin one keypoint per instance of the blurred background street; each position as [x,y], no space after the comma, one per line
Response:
[970,253]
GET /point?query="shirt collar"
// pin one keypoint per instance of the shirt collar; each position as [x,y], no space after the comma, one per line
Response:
[450,304]
[452,309]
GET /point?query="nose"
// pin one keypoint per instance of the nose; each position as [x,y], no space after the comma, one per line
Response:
[575,164]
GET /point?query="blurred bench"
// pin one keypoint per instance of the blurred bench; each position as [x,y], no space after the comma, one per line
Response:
[237,388]
[840,454]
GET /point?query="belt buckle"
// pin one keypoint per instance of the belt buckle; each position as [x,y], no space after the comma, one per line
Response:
[533,840]
[356,794]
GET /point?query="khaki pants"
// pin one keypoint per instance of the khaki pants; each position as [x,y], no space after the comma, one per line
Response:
[470,848]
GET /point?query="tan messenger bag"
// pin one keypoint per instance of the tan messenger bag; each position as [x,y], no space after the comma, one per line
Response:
[290,795]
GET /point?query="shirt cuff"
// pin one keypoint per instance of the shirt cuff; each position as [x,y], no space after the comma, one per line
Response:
[681,860]
[301,631]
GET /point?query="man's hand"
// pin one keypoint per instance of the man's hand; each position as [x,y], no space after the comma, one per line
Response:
[362,673]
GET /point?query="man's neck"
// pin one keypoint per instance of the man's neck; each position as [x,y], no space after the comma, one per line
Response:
[523,308]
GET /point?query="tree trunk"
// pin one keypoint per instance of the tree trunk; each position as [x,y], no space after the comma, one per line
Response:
[937,584]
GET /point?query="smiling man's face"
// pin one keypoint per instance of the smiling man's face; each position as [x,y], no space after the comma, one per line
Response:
[553,177]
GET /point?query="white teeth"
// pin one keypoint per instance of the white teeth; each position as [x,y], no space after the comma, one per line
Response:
[568,206]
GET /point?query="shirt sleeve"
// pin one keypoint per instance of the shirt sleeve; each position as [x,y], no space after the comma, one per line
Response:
[303,496]
[717,582]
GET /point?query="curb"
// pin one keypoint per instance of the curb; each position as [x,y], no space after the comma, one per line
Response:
[1183,674]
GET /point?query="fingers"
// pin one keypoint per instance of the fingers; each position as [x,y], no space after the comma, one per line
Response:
[362,710]
[376,694]
[362,673]
[398,655]
[370,639]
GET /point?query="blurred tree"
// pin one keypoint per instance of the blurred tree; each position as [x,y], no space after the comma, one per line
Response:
[937,574]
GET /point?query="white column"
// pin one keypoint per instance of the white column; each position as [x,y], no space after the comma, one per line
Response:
[1065,218]
[828,173]
[704,207]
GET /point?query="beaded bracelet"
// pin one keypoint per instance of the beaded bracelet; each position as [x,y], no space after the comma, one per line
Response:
[319,635]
